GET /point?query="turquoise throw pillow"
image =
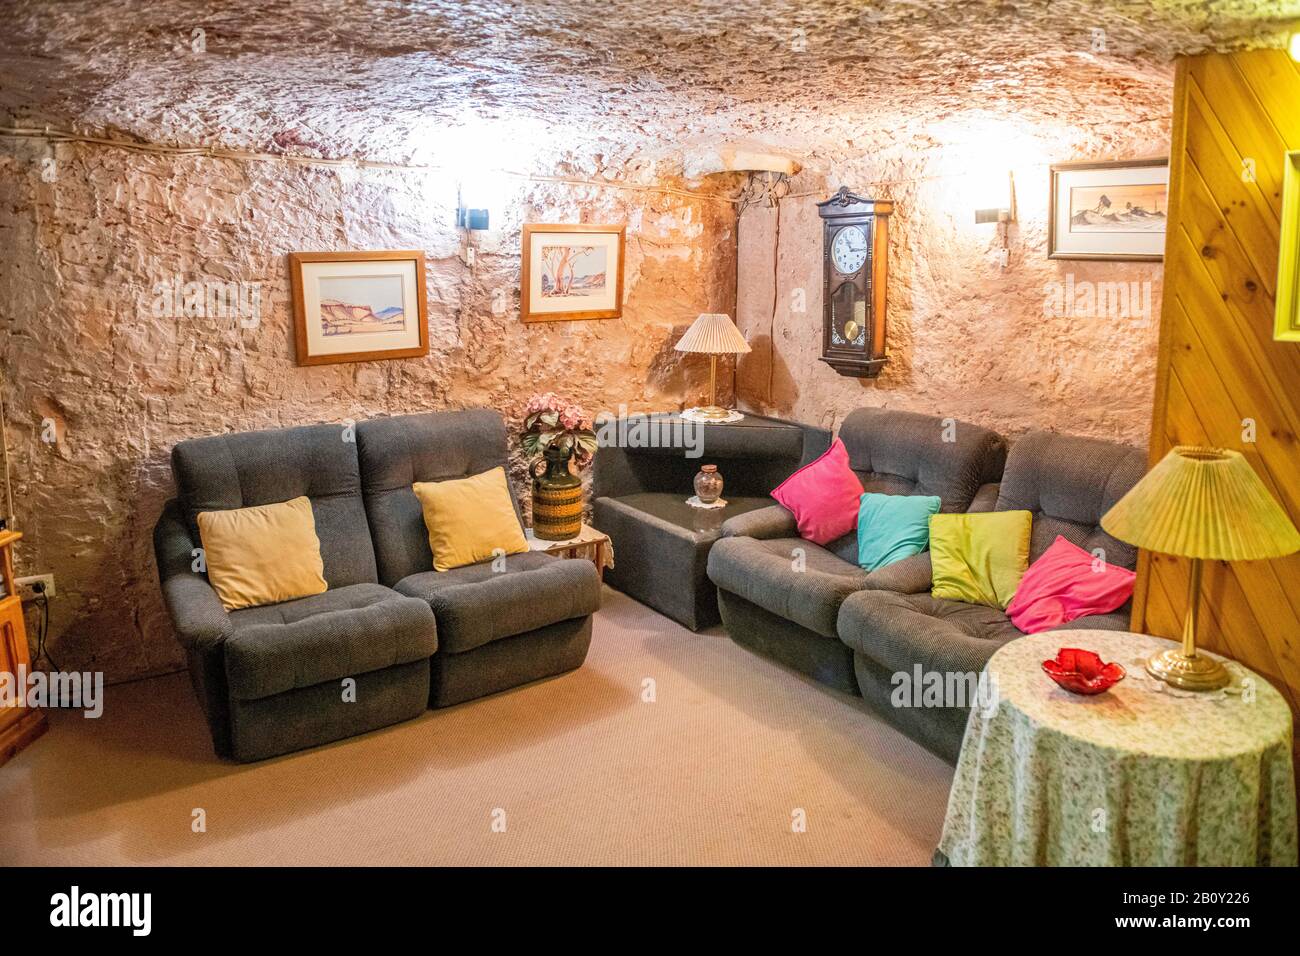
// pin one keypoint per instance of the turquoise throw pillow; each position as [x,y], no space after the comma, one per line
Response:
[893,527]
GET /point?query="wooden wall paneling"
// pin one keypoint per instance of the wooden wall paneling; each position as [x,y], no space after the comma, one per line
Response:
[1235,115]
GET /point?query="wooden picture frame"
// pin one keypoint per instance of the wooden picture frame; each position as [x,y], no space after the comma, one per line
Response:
[1110,232]
[370,305]
[604,249]
[1286,326]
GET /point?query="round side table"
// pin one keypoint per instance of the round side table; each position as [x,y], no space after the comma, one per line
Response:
[1141,775]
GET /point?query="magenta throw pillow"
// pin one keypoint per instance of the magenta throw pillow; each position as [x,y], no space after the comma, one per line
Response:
[823,495]
[1065,583]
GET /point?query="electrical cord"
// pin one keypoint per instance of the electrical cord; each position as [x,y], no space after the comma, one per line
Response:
[43,632]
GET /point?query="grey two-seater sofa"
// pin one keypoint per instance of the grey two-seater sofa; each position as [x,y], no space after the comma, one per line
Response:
[780,594]
[271,679]
[815,610]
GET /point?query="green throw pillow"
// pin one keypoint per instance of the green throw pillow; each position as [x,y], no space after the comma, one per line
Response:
[979,558]
[893,527]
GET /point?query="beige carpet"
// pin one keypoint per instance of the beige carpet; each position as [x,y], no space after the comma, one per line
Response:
[585,771]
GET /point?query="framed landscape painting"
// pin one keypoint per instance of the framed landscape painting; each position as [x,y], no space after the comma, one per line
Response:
[358,306]
[571,272]
[1111,210]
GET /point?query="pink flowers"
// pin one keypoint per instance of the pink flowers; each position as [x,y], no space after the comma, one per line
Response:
[554,422]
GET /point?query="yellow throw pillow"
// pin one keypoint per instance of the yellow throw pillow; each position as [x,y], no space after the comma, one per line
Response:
[979,558]
[469,518]
[262,555]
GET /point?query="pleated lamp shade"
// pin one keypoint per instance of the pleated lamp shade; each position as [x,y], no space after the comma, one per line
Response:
[1203,503]
[713,333]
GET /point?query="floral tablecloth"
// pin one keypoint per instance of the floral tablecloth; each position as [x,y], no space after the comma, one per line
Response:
[1142,775]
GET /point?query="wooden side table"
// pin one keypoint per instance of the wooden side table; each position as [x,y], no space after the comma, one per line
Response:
[591,544]
[1142,775]
[19,724]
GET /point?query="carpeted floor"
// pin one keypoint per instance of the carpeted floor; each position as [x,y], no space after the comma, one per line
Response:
[580,769]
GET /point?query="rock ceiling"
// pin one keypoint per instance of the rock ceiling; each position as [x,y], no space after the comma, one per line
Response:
[385,79]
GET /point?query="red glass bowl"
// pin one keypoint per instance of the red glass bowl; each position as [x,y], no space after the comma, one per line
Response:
[1082,672]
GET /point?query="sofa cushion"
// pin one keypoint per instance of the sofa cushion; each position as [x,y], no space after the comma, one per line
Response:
[790,577]
[823,496]
[1067,583]
[904,453]
[265,467]
[900,631]
[979,558]
[1068,482]
[263,554]
[394,453]
[340,633]
[893,527]
[470,519]
[476,604]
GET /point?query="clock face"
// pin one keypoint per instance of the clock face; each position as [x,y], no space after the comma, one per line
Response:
[849,249]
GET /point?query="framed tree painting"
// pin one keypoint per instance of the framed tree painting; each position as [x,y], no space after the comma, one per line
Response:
[358,306]
[571,272]
[1110,210]
[1287,327]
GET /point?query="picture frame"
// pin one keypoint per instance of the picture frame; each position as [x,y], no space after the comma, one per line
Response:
[571,272]
[358,306]
[1115,210]
[1286,326]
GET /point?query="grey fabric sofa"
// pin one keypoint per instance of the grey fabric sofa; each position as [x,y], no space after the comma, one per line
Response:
[269,678]
[661,544]
[1067,483]
[780,595]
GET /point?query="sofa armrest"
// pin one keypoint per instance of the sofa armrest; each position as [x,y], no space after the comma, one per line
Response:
[200,620]
[909,576]
[986,498]
[774,521]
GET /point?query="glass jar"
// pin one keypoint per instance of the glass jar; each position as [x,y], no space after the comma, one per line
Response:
[708,484]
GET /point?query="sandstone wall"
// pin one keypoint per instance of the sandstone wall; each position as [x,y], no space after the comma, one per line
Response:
[85,356]
[967,337]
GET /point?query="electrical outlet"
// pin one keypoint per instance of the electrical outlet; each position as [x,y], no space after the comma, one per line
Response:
[28,592]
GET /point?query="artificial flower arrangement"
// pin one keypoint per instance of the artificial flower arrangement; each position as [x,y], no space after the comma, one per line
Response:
[554,422]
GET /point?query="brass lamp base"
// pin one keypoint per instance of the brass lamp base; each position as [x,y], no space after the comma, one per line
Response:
[1196,672]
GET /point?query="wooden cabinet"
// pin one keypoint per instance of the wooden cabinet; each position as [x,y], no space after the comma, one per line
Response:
[19,724]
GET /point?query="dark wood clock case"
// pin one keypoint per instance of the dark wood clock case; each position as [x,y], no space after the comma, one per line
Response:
[853,303]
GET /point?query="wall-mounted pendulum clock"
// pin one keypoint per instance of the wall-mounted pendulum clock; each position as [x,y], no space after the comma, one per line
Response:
[855,255]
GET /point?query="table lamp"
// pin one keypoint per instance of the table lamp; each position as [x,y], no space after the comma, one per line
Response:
[713,334]
[1203,504]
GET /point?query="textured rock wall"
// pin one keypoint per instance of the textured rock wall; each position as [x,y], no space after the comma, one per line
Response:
[967,337]
[89,365]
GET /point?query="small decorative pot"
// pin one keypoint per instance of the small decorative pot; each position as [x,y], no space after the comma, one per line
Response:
[708,484]
[557,498]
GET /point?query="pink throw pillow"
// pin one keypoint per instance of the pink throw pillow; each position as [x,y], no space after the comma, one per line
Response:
[823,495]
[1065,583]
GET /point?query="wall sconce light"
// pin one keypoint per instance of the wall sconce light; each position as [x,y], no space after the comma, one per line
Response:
[997,213]
[471,218]
[480,197]
[1295,46]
